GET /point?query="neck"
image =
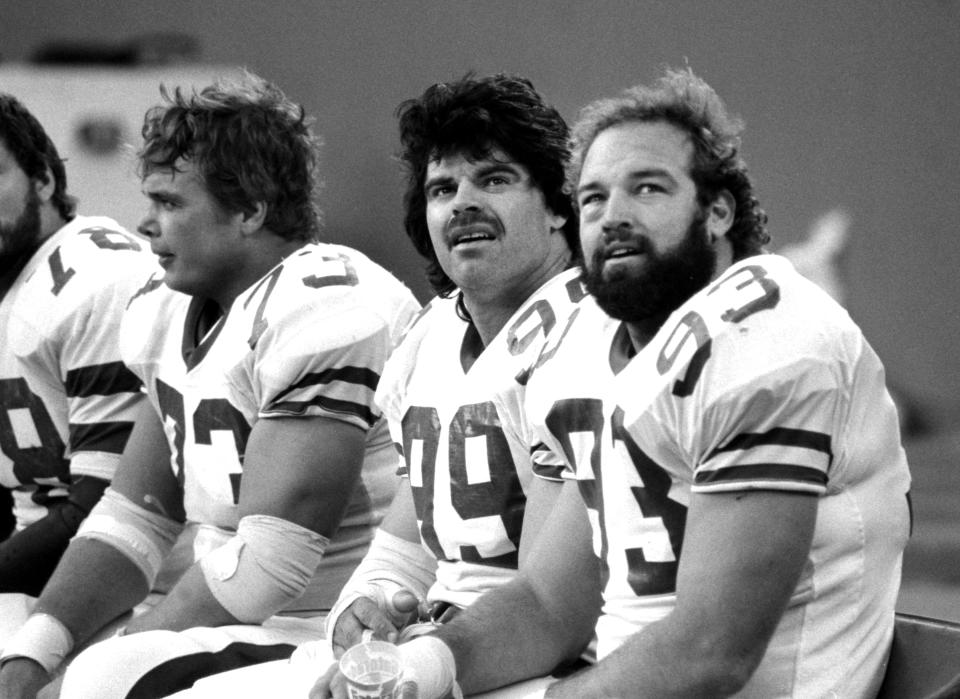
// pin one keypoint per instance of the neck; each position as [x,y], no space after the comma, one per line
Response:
[641,332]
[270,251]
[491,308]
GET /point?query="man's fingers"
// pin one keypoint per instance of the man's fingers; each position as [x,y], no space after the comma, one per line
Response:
[322,688]
[405,601]
[408,690]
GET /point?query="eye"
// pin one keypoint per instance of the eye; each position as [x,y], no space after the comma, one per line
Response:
[649,188]
[439,190]
[496,180]
[590,198]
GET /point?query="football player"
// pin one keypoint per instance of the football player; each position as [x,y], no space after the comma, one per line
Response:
[727,436]
[485,206]
[261,452]
[66,400]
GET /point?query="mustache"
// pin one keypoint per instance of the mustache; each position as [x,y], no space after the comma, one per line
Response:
[465,219]
[640,241]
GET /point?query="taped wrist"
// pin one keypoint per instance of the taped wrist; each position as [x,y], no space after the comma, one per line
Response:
[42,638]
[390,565]
[429,662]
[264,567]
[143,536]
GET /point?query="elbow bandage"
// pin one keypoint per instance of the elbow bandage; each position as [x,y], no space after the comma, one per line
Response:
[390,565]
[143,536]
[267,565]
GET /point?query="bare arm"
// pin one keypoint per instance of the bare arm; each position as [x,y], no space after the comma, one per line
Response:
[303,470]
[527,627]
[76,594]
[743,554]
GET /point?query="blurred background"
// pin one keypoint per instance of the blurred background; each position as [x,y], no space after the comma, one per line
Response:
[851,111]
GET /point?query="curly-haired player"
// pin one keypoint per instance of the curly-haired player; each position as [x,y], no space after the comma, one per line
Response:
[261,452]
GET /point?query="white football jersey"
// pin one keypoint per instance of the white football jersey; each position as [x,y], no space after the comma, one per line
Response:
[468,470]
[760,381]
[66,399]
[308,339]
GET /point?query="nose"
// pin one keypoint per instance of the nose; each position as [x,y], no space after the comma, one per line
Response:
[466,198]
[618,217]
[148,225]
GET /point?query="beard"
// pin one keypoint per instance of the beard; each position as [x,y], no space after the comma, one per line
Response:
[21,237]
[667,281]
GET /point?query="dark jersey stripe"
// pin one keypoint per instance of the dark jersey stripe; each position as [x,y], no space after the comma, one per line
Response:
[781,436]
[348,374]
[101,380]
[767,471]
[110,437]
[346,407]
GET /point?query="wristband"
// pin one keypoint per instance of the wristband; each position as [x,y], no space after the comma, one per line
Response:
[42,638]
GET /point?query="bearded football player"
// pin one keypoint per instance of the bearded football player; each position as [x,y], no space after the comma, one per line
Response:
[732,453]
[66,400]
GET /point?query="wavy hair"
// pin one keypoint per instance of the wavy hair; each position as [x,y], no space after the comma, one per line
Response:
[248,142]
[474,116]
[687,102]
[34,152]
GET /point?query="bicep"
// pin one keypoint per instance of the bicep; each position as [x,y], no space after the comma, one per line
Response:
[303,470]
[743,554]
[144,474]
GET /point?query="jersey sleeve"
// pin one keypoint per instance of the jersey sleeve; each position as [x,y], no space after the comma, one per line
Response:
[773,432]
[396,376]
[68,344]
[746,383]
[319,345]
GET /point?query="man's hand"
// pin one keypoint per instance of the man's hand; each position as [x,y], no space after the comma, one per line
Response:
[364,615]
[22,678]
[333,684]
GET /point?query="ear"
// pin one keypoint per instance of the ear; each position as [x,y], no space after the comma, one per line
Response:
[45,186]
[720,214]
[557,222]
[253,221]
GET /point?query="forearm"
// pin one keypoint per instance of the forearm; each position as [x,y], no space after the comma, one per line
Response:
[510,635]
[189,603]
[94,584]
[659,661]
[29,557]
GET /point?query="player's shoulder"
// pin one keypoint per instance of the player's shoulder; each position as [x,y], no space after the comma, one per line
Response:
[96,247]
[327,279]
[762,303]
[545,313]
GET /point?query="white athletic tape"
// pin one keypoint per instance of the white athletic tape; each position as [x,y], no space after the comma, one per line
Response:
[267,565]
[143,536]
[42,638]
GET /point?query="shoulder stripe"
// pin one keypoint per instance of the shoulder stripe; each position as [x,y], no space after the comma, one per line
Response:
[327,404]
[773,472]
[782,436]
[110,437]
[348,374]
[101,380]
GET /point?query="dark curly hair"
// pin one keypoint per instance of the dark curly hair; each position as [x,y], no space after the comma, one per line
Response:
[474,116]
[34,152]
[682,99]
[248,142]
